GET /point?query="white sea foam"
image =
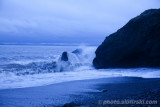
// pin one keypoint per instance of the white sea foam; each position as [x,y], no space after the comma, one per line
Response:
[10,80]
[30,72]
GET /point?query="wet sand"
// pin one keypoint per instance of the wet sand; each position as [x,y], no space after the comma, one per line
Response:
[93,92]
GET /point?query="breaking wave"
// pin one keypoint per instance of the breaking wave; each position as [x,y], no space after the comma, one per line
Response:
[37,66]
[53,64]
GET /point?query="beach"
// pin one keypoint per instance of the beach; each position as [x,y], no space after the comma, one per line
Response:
[31,80]
[82,53]
[93,92]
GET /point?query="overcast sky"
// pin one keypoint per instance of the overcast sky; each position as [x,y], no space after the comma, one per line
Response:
[66,21]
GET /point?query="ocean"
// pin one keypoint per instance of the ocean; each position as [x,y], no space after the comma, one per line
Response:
[31,66]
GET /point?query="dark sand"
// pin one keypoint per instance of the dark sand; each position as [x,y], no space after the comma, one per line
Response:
[84,93]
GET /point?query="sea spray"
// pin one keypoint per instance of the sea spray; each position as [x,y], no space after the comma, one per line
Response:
[35,66]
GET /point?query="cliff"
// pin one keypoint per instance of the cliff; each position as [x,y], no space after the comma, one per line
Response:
[137,44]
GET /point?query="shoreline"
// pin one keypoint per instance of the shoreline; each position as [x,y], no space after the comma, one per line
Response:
[83,92]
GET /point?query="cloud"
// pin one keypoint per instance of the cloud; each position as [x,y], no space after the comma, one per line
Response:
[67,18]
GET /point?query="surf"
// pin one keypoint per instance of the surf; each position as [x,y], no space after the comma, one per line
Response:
[62,64]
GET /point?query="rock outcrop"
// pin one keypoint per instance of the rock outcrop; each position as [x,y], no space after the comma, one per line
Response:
[137,44]
[64,56]
[77,51]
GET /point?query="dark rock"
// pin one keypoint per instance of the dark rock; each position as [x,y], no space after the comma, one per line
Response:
[64,56]
[137,44]
[104,90]
[77,51]
[54,64]
[71,104]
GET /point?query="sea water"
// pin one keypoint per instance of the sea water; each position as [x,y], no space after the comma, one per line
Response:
[30,66]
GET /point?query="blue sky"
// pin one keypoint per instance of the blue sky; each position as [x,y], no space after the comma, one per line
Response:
[66,21]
